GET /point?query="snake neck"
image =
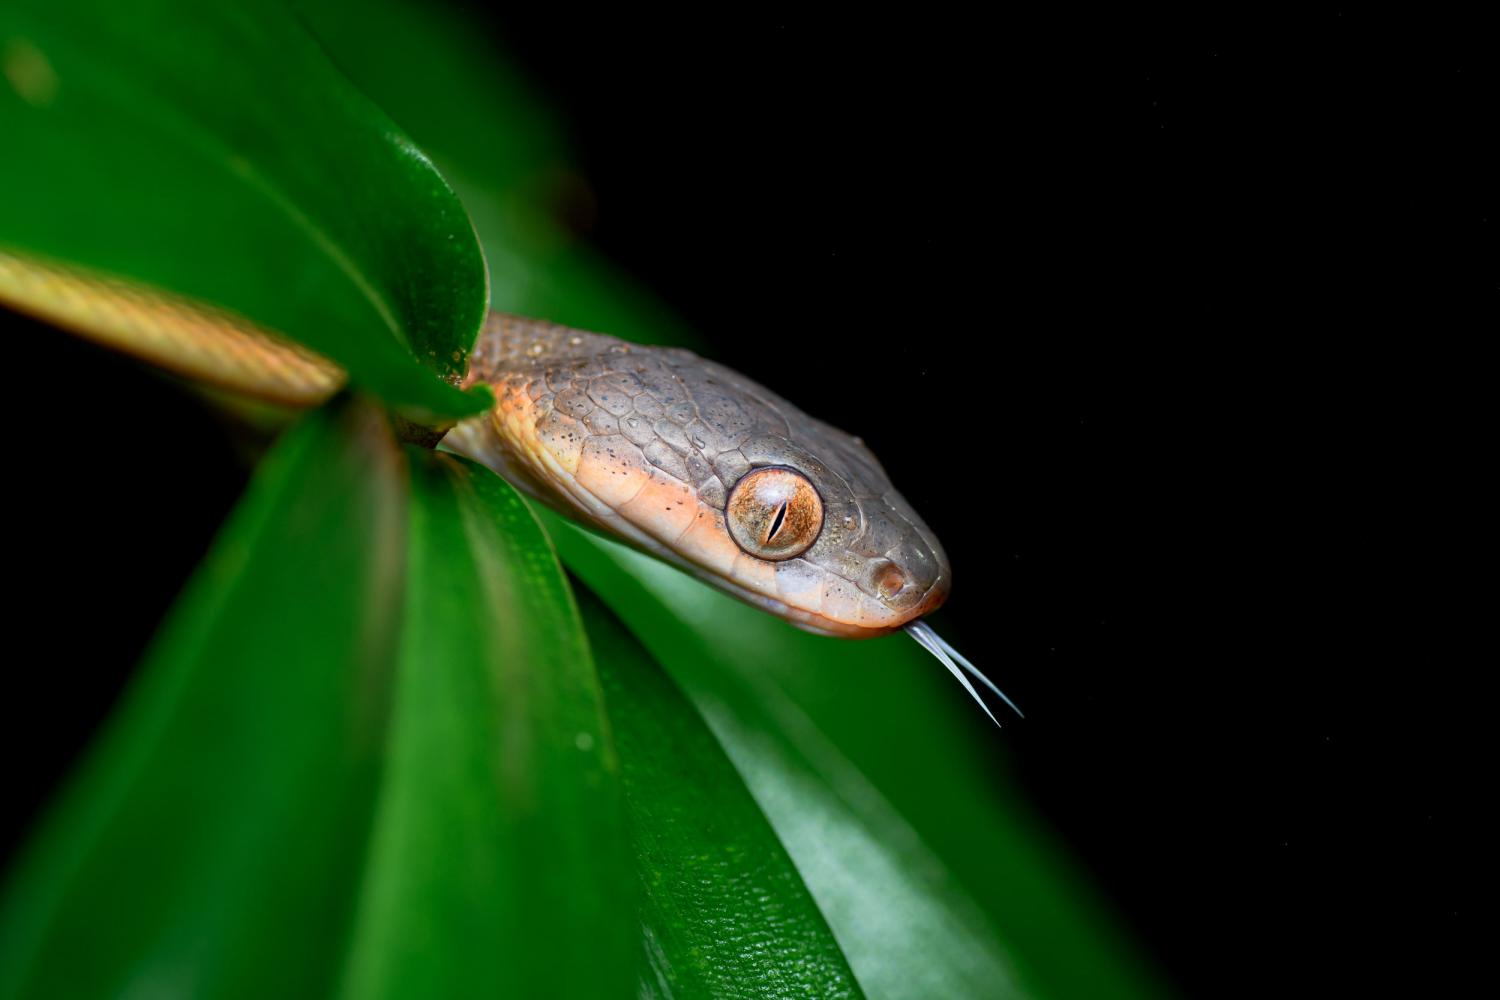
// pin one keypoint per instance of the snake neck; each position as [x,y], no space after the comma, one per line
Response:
[509,343]
[645,443]
[509,356]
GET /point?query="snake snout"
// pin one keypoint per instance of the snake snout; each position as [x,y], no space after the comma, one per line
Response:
[889,582]
[906,592]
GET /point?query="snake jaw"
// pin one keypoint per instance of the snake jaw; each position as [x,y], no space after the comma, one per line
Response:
[695,464]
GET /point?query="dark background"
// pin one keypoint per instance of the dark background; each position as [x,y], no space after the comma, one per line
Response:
[1167,328]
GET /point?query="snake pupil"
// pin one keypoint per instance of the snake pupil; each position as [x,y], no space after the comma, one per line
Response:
[777,522]
[774,513]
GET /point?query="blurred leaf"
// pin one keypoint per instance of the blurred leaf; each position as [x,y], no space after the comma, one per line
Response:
[316,784]
[499,864]
[213,840]
[724,911]
[432,68]
[440,74]
[936,879]
[906,928]
[864,756]
[212,150]
[932,874]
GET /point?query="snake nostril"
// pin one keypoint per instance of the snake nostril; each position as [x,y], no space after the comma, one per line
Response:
[889,581]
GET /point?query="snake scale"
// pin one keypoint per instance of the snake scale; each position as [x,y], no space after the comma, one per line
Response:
[650,443]
[674,454]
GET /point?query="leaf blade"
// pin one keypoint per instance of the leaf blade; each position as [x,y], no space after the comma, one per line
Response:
[214,151]
[1005,919]
[724,911]
[498,862]
[878,706]
[222,801]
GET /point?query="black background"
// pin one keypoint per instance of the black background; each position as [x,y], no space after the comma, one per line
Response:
[1169,328]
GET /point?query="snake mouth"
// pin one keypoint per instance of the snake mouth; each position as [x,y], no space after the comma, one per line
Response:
[812,622]
[841,630]
[930,601]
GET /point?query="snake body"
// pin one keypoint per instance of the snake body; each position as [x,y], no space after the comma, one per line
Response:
[675,454]
[648,444]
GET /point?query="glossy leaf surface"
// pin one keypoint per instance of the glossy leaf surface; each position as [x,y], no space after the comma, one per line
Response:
[931,873]
[499,865]
[215,837]
[869,740]
[451,86]
[212,150]
[724,912]
[365,757]
[903,921]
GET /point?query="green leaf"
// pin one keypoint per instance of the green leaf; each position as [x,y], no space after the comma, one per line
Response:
[438,74]
[366,755]
[724,912]
[212,842]
[434,71]
[936,878]
[864,756]
[212,150]
[499,864]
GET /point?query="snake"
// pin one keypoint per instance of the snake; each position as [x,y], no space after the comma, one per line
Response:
[672,453]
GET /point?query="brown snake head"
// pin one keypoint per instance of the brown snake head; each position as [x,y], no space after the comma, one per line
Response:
[679,456]
[696,464]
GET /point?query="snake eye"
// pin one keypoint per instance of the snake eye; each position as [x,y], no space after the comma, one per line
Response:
[774,513]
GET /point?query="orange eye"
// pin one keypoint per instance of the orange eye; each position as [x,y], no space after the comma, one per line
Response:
[774,513]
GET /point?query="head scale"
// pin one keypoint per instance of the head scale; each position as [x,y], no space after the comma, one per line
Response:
[800,517]
[696,464]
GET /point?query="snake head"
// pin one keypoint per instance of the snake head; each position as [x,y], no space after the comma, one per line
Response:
[871,565]
[698,465]
[856,560]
